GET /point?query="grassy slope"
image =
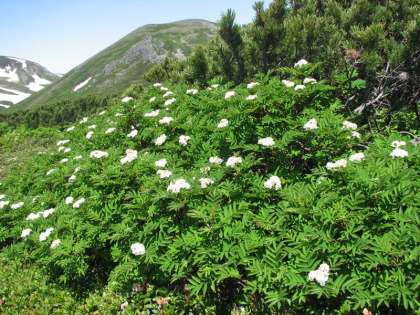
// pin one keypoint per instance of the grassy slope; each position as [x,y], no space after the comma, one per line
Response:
[166,38]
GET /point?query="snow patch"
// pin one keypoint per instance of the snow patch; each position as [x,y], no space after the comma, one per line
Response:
[39,83]
[6,106]
[9,74]
[15,97]
[23,62]
[82,84]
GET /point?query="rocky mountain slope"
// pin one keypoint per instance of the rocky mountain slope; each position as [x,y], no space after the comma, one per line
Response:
[126,61]
[20,79]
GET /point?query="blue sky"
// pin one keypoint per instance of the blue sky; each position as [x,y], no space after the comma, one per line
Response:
[61,34]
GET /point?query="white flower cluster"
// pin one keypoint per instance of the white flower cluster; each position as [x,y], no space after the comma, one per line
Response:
[61,149]
[62,142]
[119,115]
[26,233]
[50,171]
[109,130]
[160,140]
[45,214]
[55,243]
[215,160]
[98,154]
[3,203]
[163,173]
[192,91]
[205,170]
[268,142]
[101,113]
[138,249]
[165,120]
[64,160]
[299,87]
[131,155]
[233,160]
[397,144]
[183,140]
[85,119]
[349,125]
[215,86]
[76,169]
[309,80]
[43,236]
[70,128]
[167,94]
[161,163]
[69,200]
[163,88]
[229,94]
[288,83]
[252,84]
[66,150]
[17,205]
[358,157]
[354,134]
[311,124]
[399,153]
[72,179]
[339,163]
[177,185]
[251,97]
[169,102]
[223,123]
[132,134]
[301,63]
[205,182]
[78,202]
[78,157]
[92,127]
[157,84]
[2,196]
[321,275]
[152,114]
[126,99]
[273,182]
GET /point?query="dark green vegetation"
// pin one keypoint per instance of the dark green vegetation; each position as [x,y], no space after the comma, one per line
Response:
[326,178]
[124,63]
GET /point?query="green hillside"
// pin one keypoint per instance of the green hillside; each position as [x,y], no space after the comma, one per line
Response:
[125,62]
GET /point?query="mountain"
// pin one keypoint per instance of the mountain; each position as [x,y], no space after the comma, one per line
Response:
[20,79]
[126,61]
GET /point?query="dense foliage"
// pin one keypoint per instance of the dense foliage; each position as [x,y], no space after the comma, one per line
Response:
[265,198]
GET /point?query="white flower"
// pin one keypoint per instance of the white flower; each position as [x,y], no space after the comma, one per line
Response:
[164,88]
[26,232]
[62,142]
[161,163]
[252,84]
[166,120]
[160,140]
[50,171]
[43,236]
[339,163]
[321,275]
[92,127]
[299,87]
[288,83]
[273,182]
[309,80]
[46,213]
[354,134]
[233,160]
[78,202]
[177,185]
[152,99]
[167,94]
[229,94]
[70,128]
[61,148]
[311,124]
[152,114]
[89,134]
[85,119]
[69,200]
[76,169]
[78,157]
[349,125]
[170,101]
[132,134]
[157,84]
[119,115]
[98,154]
[64,160]
[2,196]
[215,86]
[3,203]
[397,144]
[399,153]
[251,97]
[109,130]
[223,123]
[32,216]
[268,142]
[126,99]
[215,160]
[66,150]
[301,63]
[17,205]
[183,140]
[55,243]
[205,170]
[138,249]
[164,173]
[358,157]
[192,91]
[131,155]
[72,178]
[205,182]
[103,112]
